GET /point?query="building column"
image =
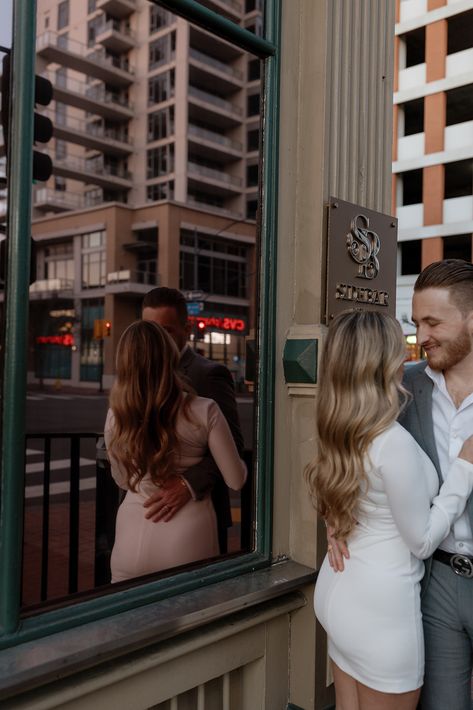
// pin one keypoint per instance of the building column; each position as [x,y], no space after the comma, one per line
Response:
[436,36]
[435,116]
[433,179]
[432,250]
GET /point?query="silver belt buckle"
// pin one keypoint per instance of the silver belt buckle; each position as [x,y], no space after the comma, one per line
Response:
[461,565]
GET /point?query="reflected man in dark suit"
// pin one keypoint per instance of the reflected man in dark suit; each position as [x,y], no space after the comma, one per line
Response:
[168,308]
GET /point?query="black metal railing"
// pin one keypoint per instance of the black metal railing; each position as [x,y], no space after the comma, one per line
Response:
[107,497]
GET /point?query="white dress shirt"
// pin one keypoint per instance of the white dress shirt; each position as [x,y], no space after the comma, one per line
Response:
[451,427]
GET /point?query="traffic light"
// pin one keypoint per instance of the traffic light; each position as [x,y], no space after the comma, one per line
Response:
[102,328]
[43,127]
[200,329]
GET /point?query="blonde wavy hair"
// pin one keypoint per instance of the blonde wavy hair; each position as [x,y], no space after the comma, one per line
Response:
[145,399]
[360,395]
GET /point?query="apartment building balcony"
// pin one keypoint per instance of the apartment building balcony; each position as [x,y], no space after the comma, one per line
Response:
[94,173]
[89,97]
[130,282]
[51,288]
[201,40]
[213,75]
[212,109]
[111,141]
[410,216]
[117,8]
[213,145]
[410,147]
[232,9]
[458,209]
[112,35]
[459,63]
[222,211]
[49,200]
[69,53]
[413,77]
[221,183]
[410,9]
[459,136]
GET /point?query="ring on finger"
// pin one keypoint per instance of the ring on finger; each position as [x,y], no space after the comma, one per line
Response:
[329,548]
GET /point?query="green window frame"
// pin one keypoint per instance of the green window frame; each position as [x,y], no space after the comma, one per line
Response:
[13,628]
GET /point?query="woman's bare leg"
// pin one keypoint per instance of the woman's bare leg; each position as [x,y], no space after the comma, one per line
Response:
[345,690]
[369,699]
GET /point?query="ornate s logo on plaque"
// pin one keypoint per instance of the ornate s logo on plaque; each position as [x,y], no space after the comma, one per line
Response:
[363,245]
[361,259]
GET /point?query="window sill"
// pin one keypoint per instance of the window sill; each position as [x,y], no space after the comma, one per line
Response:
[38,662]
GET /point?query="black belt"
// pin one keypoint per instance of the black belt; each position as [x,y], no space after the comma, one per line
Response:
[460,564]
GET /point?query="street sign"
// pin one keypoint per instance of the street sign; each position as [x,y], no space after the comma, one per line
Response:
[194,307]
[193,295]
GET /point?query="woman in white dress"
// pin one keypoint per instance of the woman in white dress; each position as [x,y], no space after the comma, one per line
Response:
[156,429]
[377,489]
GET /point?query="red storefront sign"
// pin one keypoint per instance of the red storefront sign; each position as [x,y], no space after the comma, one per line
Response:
[225,323]
[67,340]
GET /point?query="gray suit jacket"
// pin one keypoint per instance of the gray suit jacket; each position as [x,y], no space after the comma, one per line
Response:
[213,380]
[417,419]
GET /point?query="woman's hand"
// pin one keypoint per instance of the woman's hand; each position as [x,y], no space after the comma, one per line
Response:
[336,551]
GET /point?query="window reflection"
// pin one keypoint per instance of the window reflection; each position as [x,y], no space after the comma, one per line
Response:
[166,172]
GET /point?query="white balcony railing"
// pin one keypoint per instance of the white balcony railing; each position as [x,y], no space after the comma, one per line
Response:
[459,135]
[212,174]
[51,285]
[412,77]
[69,200]
[412,8]
[409,147]
[213,137]
[458,209]
[216,64]
[410,216]
[215,100]
[459,63]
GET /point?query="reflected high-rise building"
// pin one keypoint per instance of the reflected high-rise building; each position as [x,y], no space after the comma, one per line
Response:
[155,182]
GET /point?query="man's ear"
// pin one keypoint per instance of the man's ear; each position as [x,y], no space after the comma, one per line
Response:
[188,329]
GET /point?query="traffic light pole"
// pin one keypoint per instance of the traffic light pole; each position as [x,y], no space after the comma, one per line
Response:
[16,312]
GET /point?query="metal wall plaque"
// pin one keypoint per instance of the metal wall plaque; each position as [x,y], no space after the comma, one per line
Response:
[361,259]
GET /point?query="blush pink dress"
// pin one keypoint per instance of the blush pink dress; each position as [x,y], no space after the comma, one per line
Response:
[141,546]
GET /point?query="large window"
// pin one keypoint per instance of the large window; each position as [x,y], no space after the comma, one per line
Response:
[162,50]
[93,260]
[213,265]
[160,124]
[159,18]
[221,255]
[63,14]
[59,263]
[161,87]
[160,161]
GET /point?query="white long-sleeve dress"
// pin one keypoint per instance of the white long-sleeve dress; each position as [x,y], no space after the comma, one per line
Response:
[371,611]
[142,546]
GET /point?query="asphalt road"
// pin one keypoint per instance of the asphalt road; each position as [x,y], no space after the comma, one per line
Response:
[48,412]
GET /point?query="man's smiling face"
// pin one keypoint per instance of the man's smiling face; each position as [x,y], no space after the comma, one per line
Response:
[442,329]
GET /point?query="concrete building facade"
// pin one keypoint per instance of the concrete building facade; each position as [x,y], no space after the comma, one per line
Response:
[433,138]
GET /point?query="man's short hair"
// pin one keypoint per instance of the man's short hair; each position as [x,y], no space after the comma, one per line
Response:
[163,296]
[454,274]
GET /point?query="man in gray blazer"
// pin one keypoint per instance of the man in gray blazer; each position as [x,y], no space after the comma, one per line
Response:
[440,418]
[168,308]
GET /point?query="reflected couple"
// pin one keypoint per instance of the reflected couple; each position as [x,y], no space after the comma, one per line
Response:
[174,443]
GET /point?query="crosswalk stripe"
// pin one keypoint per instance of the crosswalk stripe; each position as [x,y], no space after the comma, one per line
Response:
[56,465]
[85,484]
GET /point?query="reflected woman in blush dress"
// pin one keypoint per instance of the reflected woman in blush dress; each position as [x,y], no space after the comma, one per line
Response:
[157,428]
[378,490]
